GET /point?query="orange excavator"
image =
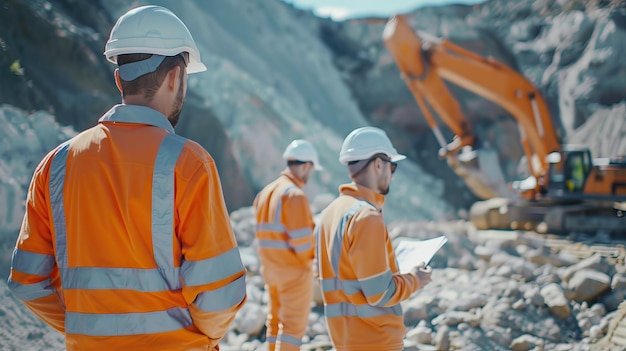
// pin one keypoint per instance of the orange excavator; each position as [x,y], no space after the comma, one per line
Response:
[566,191]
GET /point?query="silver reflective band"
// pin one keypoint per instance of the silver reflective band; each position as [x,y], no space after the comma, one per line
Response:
[32,263]
[163,199]
[123,324]
[284,338]
[134,70]
[299,233]
[347,309]
[34,291]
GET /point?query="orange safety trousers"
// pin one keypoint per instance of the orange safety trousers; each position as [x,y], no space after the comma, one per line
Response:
[290,292]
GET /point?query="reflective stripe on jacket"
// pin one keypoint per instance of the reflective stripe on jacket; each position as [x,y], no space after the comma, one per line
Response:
[284,223]
[361,286]
[126,242]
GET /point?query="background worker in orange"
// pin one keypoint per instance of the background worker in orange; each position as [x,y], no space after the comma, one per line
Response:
[285,238]
[361,286]
[126,243]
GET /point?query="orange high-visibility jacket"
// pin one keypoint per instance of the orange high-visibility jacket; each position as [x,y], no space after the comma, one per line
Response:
[126,242]
[284,224]
[361,286]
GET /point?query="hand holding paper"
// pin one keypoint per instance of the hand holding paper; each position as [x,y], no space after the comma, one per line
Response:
[423,274]
[411,252]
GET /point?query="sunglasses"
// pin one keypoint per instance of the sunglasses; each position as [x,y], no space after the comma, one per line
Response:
[297,163]
[394,165]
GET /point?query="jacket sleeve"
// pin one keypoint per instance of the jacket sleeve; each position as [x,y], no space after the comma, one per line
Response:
[34,278]
[212,271]
[369,255]
[298,221]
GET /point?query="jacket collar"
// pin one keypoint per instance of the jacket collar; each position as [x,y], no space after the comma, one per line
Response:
[137,114]
[294,178]
[363,193]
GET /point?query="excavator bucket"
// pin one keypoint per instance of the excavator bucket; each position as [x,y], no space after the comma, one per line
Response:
[480,169]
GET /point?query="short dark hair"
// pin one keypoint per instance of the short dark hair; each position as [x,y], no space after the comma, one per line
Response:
[149,83]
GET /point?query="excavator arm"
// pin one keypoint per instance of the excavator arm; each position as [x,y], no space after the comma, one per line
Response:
[426,61]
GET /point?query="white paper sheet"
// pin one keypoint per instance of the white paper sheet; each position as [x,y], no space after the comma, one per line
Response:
[411,252]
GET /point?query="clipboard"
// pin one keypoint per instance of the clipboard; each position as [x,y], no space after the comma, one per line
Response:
[411,252]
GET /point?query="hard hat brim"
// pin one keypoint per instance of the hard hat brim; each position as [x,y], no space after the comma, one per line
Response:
[195,67]
[397,158]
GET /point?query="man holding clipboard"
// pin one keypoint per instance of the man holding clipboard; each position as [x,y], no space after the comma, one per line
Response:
[361,284]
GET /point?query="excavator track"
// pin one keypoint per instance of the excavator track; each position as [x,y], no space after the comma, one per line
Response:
[550,217]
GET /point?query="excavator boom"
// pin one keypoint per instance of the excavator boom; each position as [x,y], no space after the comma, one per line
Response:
[426,61]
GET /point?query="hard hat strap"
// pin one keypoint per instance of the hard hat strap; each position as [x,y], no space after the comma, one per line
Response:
[134,70]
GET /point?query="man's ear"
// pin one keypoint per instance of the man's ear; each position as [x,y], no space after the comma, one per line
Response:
[380,165]
[172,77]
[118,81]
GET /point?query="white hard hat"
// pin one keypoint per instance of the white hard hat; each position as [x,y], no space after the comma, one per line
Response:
[365,142]
[152,30]
[302,150]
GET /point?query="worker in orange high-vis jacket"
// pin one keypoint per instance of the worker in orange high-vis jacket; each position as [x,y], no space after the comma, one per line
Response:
[285,243]
[361,286]
[126,243]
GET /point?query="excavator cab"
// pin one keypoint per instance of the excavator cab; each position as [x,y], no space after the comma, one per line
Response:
[577,166]
[568,172]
